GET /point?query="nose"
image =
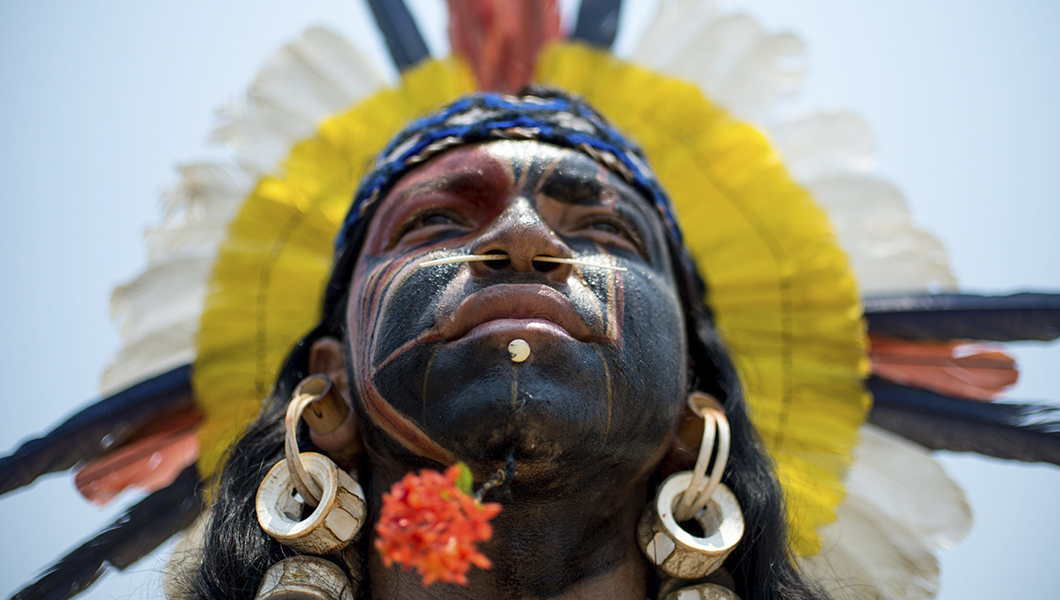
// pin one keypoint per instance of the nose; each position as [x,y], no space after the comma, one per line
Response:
[522,235]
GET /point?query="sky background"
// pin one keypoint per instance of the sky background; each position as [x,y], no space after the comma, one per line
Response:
[99,101]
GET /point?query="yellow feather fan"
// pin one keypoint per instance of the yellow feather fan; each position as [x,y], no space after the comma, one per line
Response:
[779,286]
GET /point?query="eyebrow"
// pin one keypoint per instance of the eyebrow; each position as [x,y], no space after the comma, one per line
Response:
[471,185]
[569,183]
[573,187]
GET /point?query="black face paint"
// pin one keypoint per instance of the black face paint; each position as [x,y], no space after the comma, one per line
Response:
[606,376]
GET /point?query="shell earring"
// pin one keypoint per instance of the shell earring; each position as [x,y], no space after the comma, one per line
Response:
[309,479]
[698,498]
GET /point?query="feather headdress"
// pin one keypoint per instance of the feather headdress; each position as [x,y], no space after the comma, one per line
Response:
[299,159]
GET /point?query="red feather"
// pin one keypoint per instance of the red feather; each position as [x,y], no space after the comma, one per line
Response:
[500,39]
[151,460]
[957,368]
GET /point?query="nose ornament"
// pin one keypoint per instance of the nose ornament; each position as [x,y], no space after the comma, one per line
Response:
[503,259]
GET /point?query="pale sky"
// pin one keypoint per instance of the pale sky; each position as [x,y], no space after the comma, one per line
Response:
[101,100]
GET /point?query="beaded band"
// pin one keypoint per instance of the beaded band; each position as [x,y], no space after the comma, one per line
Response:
[553,119]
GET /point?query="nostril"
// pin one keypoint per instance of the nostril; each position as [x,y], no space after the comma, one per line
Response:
[544,266]
[501,262]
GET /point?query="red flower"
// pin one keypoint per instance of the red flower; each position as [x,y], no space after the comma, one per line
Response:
[429,523]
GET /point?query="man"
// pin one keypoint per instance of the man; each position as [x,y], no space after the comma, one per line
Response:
[455,247]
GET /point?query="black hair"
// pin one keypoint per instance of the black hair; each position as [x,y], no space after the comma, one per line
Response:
[763,564]
[236,552]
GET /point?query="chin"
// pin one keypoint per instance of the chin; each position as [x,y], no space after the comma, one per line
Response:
[481,404]
[572,406]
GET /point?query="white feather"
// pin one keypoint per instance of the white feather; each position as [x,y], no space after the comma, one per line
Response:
[713,53]
[173,290]
[905,482]
[197,212]
[205,187]
[768,74]
[833,155]
[731,58]
[887,252]
[158,353]
[900,508]
[676,25]
[309,80]
[159,310]
[750,72]
[824,144]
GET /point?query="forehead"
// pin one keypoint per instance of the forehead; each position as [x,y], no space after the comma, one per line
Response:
[493,168]
[479,181]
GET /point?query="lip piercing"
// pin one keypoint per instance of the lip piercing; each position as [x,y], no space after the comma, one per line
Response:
[488,257]
[518,350]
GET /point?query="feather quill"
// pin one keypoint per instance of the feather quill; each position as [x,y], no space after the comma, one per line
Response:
[135,534]
[597,22]
[94,430]
[1026,432]
[400,31]
[1026,316]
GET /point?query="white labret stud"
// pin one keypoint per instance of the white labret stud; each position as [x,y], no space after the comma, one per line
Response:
[518,350]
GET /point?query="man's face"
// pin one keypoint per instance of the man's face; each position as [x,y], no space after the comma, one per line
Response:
[606,374]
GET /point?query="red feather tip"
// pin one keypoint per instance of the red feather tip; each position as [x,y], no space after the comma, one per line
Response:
[500,39]
[958,368]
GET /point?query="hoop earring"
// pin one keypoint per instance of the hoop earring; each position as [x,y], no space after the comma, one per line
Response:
[332,426]
[695,495]
[309,479]
[305,578]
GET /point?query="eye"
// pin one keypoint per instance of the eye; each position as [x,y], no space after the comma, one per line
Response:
[434,218]
[605,227]
[610,230]
[429,224]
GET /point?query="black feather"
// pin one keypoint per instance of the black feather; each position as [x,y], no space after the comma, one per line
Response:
[89,433]
[597,22]
[399,29]
[1027,316]
[144,527]
[1027,432]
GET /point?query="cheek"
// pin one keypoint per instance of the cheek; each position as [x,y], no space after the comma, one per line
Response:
[651,353]
[392,311]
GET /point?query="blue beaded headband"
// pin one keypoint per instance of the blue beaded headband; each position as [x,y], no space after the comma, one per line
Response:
[550,118]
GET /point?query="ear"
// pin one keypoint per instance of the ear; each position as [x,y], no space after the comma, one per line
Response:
[328,357]
[343,443]
[685,445]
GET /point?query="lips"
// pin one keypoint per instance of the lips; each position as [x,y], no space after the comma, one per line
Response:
[515,302]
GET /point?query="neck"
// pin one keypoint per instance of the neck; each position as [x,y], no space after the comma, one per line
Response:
[558,545]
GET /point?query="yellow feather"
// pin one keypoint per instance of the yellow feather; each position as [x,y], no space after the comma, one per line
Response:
[271,270]
[779,286]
